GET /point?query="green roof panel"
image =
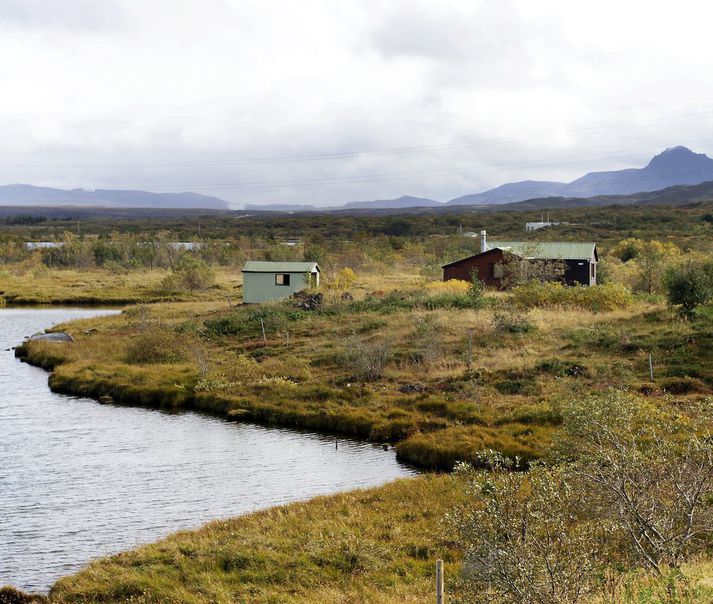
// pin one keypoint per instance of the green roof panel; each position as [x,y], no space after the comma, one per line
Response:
[547,250]
[256,266]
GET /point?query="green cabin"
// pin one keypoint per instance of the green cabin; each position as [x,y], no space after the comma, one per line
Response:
[266,281]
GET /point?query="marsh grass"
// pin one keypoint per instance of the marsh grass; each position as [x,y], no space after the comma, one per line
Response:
[369,546]
[41,285]
[439,392]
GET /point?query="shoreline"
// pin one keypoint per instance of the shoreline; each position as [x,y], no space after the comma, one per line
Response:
[8,593]
[181,401]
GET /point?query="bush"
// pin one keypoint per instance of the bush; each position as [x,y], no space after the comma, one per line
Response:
[597,298]
[155,346]
[365,359]
[683,385]
[510,321]
[245,321]
[690,285]
[560,368]
[190,274]
[343,280]
[525,536]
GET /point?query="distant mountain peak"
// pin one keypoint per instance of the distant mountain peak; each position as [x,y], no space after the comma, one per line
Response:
[674,166]
[675,157]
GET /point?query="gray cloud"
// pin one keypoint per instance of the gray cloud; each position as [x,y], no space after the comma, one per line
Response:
[72,15]
[322,102]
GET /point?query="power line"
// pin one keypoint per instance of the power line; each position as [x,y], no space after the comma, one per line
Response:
[358,153]
[394,176]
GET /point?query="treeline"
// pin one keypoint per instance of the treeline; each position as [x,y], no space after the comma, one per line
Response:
[121,251]
[689,225]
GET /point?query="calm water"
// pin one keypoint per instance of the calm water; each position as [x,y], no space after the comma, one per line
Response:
[79,479]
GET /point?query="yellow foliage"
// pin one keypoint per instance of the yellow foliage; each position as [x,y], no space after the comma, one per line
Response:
[342,280]
[598,298]
[452,286]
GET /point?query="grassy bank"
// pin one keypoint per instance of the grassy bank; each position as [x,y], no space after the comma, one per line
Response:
[40,286]
[439,374]
[377,545]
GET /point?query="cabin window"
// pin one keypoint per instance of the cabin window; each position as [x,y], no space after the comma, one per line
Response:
[282,279]
[592,271]
[495,270]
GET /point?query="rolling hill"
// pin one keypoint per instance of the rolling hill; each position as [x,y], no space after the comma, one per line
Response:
[28,195]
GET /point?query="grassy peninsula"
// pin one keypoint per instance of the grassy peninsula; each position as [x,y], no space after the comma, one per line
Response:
[441,375]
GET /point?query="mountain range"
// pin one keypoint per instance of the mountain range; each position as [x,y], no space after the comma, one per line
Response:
[28,195]
[672,167]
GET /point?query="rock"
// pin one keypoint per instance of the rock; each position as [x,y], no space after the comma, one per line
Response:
[307,301]
[412,388]
[58,336]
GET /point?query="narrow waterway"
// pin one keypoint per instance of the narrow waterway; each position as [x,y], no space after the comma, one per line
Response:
[79,480]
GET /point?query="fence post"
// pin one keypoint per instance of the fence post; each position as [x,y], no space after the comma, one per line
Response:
[440,598]
[651,367]
[264,338]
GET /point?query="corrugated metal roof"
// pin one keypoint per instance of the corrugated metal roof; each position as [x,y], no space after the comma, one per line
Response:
[547,250]
[256,266]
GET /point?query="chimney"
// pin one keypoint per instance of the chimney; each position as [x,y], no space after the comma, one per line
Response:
[483,241]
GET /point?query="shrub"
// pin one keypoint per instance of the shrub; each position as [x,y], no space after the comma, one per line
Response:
[561,368]
[155,346]
[275,316]
[597,298]
[683,385]
[525,536]
[690,285]
[648,471]
[190,274]
[511,321]
[343,280]
[365,359]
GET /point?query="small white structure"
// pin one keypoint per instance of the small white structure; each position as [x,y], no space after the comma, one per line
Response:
[43,245]
[265,281]
[534,226]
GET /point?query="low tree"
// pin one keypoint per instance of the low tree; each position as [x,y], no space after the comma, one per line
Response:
[526,536]
[690,285]
[189,274]
[641,264]
[649,473]
[627,485]
[342,280]
[654,260]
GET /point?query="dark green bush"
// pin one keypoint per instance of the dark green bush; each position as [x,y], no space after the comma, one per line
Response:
[690,285]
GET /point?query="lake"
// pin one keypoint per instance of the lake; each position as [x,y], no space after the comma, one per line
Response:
[80,480]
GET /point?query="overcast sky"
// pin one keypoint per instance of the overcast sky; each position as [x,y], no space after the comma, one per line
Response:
[327,101]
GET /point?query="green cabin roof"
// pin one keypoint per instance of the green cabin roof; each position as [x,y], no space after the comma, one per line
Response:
[547,250]
[256,266]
